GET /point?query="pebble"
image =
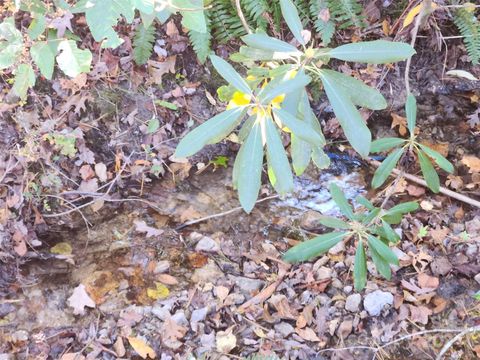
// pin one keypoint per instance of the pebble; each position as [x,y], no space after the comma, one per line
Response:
[246,285]
[375,301]
[207,274]
[347,289]
[477,278]
[208,245]
[324,273]
[353,302]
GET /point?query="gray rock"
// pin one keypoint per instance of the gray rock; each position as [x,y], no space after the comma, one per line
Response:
[375,301]
[207,244]
[210,273]
[324,273]
[284,329]
[347,289]
[198,316]
[247,285]
[353,302]
[477,278]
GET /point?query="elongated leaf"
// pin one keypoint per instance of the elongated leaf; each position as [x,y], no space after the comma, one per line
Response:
[270,92]
[333,222]
[438,158]
[411,111]
[246,128]
[348,116]
[383,267]
[383,250]
[248,168]
[229,74]
[339,197]
[360,267]
[43,54]
[301,151]
[385,169]
[428,172]
[385,144]
[24,79]
[364,202]
[265,42]
[277,159]
[320,159]
[300,128]
[390,234]
[209,132]
[313,247]
[290,14]
[359,93]
[368,218]
[403,208]
[249,54]
[373,52]
[72,60]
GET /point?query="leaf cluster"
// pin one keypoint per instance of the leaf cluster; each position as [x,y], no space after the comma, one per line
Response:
[370,227]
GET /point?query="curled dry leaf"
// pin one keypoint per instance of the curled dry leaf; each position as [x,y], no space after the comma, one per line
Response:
[141,348]
[79,300]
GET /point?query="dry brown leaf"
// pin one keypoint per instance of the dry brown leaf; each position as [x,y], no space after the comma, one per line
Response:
[150,231]
[472,162]
[225,341]
[454,182]
[416,191]
[400,122]
[439,234]
[141,348]
[427,281]
[157,69]
[167,279]
[72,356]
[419,314]
[307,334]
[79,300]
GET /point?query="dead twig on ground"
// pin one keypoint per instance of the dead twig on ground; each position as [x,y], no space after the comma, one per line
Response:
[452,341]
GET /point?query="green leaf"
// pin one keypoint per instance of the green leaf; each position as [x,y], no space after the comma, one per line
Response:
[301,151]
[193,17]
[153,125]
[265,42]
[428,172]
[271,91]
[277,159]
[320,159]
[37,26]
[383,267]
[373,52]
[386,167]
[370,216]
[390,234]
[339,197]
[438,158]
[290,14]
[229,74]
[72,60]
[24,79]
[383,250]
[163,15]
[210,132]
[145,6]
[360,267]
[43,54]
[360,94]
[403,208]
[385,144]
[11,43]
[364,202]
[143,43]
[411,111]
[313,247]
[247,169]
[300,128]
[103,15]
[333,222]
[348,116]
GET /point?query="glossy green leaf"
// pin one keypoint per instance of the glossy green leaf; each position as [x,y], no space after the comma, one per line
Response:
[383,267]
[339,197]
[271,91]
[428,172]
[333,222]
[300,128]
[246,128]
[383,250]
[290,14]
[193,17]
[360,267]
[438,158]
[230,74]
[390,234]
[277,159]
[385,144]
[313,247]
[360,94]
[403,208]
[37,26]
[301,151]
[209,132]
[250,54]
[348,116]
[386,167]
[320,159]
[373,52]
[24,79]
[364,202]
[265,42]
[43,54]
[247,169]
[368,218]
[411,111]
[72,60]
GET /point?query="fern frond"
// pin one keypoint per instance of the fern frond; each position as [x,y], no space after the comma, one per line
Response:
[304,11]
[201,42]
[143,43]
[347,13]
[322,20]
[469,27]
[254,10]
[225,23]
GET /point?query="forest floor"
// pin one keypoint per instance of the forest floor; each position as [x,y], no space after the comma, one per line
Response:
[101,256]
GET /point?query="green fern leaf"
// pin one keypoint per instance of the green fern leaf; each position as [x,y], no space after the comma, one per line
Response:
[255,10]
[469,27]
[322,21]
[143,43]
[347,13]
[201,42]
[225,23]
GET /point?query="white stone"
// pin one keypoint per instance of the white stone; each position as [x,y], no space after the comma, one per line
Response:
[353,302]
[376,301]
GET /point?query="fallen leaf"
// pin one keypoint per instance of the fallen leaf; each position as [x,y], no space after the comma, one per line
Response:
[225,341]
[101,171]
[197,260]
[416,191]
[419,314]
[80,299]
[307,334]
[439,234]
[427,281]
[167,279]
[400,122]
[142,227]
[472,162]
[159,292]
[62,248]
[171,332]
[141,348]
[454,182]
[72,356]
[157,69]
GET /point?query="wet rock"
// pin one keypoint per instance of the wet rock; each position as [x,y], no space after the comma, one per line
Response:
[246,285]
[375,301]
[210,273]
[284,329]
[353,302]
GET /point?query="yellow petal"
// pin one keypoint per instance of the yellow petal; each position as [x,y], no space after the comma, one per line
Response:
[240,99]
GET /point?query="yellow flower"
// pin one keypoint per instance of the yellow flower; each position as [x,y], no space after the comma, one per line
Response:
[239,99]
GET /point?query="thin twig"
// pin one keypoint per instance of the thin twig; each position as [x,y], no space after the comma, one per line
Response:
[196,221]
[442,190]
[452,341]
[242,17]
